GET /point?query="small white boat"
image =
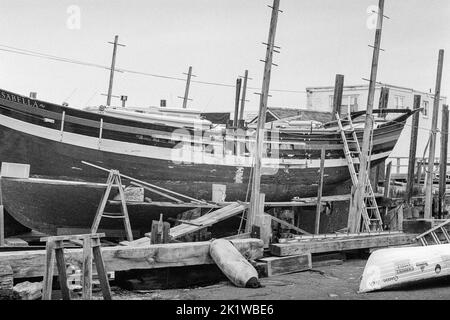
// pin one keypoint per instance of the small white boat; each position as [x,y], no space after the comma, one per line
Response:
[387,268]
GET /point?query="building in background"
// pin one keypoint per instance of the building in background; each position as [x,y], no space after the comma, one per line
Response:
[355,99]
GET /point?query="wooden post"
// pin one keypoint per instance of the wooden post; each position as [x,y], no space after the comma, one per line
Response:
[48,275]
[87,269]
[2,226]
[337,97]
[443,160]
[258,153]
[431,157]
[384,100]
[387,181]
[186,91]
[244,94]
[236,102]
[357,205]
[319,192]
[413,150]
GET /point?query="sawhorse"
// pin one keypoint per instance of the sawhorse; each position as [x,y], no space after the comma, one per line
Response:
[91,251]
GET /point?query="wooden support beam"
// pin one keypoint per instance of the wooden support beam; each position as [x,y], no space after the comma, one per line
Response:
[413,150]
[430,176]
[287,249]
[443,160]
[357,204]
[319,191]
[26,264]
[337,97]
[260,130]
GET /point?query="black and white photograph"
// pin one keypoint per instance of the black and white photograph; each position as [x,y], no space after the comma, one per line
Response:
[224,155]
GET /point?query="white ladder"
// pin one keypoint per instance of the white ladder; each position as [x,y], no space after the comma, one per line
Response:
[371,214]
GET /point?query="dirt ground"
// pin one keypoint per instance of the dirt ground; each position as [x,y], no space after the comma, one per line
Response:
[339,282]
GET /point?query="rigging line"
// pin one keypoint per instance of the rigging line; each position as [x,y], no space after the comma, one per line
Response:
[68,60]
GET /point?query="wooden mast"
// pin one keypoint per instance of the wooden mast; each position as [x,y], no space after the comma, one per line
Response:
[186,91]
[244,93]
[356,206]
[430,175]
[258,153]
[113,69]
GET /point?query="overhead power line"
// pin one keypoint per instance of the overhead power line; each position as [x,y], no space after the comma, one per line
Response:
[42,55]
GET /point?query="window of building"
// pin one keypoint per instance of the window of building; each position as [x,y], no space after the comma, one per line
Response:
[399,102]
[425,108]
[348,102]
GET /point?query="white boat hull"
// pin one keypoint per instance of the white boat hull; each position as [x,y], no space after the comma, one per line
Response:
[387,268]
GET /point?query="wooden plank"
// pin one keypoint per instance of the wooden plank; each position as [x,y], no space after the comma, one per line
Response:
[206,220]
[413,150]
[319,191]
[101,271]
[15,242]
[284,265]
[27,264]
[340,245]
[111,233]
[291,226]
[156,191]
[430,176]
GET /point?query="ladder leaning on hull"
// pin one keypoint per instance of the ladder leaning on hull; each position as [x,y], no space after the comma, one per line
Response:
[370,213]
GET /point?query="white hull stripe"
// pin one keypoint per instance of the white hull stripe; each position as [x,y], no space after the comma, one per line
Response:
[178,156]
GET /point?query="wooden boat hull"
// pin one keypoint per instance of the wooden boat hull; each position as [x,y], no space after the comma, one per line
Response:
[54,140]
[393,267]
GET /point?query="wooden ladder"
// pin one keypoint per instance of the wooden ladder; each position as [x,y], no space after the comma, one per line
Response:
[113,180]
[370,213]
[436,235]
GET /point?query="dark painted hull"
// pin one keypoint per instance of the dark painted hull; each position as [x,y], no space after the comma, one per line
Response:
[27,135]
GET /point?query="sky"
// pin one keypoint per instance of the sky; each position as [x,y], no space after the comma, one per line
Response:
[220,39]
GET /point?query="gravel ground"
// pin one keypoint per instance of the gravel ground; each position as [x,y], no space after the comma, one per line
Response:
[340,282]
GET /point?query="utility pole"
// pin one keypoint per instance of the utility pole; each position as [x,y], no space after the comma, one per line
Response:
[413,150]
[256,181]
[236,102]
[113,68]
[186,91]
[244,93]
[443,160]
[337,97]
[430,176]
[356,207]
